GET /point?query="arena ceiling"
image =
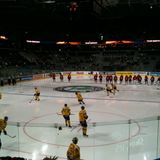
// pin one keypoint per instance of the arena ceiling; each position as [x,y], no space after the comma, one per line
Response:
[90,16]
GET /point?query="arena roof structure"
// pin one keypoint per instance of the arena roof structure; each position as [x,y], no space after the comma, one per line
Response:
[81,16]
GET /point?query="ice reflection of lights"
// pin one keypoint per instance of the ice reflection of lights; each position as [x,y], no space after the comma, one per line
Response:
[34,155]
[144,157]
[44,149]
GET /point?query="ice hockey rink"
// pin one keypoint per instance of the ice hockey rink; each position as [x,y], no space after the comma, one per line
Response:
[124,126]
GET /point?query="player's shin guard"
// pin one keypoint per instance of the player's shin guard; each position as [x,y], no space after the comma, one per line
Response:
[69,123]
[66,123]
[85,131]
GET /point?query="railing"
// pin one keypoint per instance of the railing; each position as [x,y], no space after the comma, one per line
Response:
[123,140]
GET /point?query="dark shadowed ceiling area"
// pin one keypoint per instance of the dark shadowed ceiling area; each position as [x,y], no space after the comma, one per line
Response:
[41,18]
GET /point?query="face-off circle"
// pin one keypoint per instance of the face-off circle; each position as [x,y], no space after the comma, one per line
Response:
[79,88]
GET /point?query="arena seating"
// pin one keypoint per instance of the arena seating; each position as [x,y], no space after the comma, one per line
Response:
[36,59]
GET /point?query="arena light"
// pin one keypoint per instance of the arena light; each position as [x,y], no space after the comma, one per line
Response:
[3,37]
[126,42]
[48,1]
[153,41]
[74,43]
[32,41]
[61,42]
[119,42]
[111,42]
[91,42]
[73,7]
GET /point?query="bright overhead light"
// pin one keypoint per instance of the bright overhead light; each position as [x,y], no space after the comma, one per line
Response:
[48,1]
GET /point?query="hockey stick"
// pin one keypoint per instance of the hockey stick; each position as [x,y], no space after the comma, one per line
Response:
[62,114]
[81,127]
[78,126]
[75,127]
[11,136]
[31,100]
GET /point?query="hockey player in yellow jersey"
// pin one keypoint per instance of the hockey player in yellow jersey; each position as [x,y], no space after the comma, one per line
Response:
[83,120]
[3,125]
[108,89]
[73,152]
[66,114]
[37,94]
[79,97]
[114,88]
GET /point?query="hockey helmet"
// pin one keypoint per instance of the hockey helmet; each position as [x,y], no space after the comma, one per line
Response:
[75,140]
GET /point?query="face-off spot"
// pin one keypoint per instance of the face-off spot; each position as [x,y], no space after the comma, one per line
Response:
[80,88]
